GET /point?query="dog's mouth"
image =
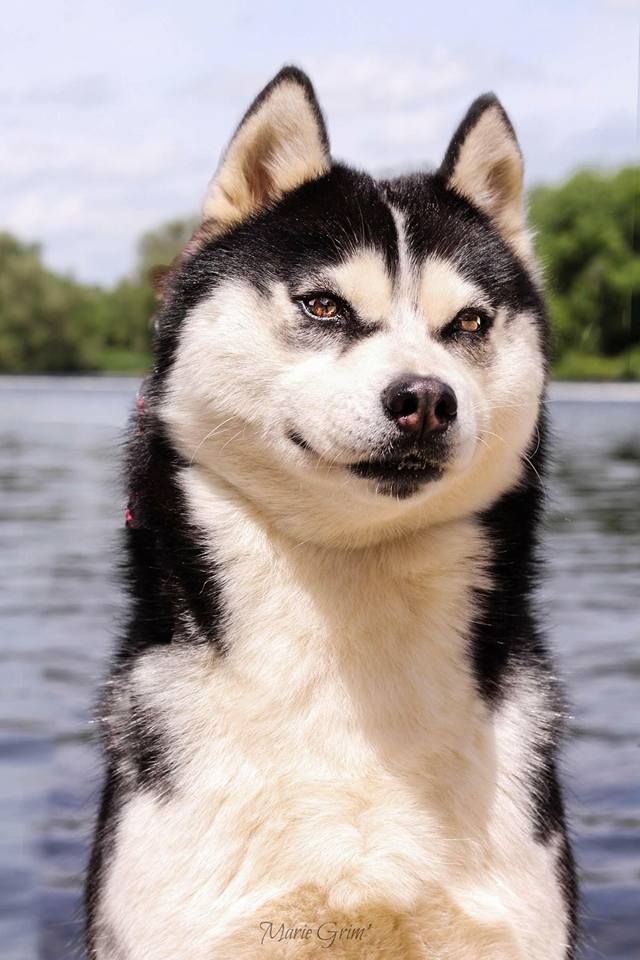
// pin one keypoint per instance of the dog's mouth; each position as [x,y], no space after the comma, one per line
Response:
[398,474]
[409,468]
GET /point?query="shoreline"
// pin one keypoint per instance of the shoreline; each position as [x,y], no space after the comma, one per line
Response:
[560,391]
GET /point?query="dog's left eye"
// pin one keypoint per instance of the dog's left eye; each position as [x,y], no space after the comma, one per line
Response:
[321,307]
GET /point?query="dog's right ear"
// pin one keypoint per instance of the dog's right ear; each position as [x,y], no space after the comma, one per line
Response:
[280,144]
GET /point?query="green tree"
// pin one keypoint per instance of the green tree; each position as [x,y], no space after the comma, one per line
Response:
[588,239]
[588,231]
[51,323]
[47,322]
[158,248]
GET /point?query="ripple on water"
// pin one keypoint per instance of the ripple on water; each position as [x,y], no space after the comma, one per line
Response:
[59,524]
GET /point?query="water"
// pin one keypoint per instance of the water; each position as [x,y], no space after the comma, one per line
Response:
[60,515]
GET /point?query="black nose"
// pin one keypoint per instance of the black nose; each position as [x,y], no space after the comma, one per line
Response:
[420,405]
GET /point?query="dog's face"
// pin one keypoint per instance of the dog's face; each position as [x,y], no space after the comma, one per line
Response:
[356,356]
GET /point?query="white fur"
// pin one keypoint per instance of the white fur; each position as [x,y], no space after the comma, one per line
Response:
[232,414]
[341,743]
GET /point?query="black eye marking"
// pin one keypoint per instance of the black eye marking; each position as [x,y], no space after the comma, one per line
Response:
[326,313]
[325,307]
[322,307]
[468,326]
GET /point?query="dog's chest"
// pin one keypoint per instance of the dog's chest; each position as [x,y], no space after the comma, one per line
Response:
[343,712]
[340,743]
[338,671]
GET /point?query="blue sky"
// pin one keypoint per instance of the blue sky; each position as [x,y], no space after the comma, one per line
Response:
[113,115]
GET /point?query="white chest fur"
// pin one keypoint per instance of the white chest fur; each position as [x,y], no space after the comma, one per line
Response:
[340,742]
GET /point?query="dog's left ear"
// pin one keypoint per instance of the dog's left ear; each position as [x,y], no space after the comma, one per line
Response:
[483,163]
[280,144]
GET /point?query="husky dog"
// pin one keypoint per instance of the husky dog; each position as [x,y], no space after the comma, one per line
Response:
[332,720]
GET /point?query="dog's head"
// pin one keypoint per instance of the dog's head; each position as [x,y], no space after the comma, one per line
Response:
[356,356]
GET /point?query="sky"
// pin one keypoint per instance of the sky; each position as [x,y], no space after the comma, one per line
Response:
[113,115]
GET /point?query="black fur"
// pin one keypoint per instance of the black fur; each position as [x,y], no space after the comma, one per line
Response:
[507,643]
[506,634]
[315,225]
[171,583]
[169,574]
[440,223]
[104,831]
[345,331]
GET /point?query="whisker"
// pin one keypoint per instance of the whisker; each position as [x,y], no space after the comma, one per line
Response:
[234,437]
[208,437]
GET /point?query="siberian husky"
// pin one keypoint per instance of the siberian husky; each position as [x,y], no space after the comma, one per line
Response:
[332,723]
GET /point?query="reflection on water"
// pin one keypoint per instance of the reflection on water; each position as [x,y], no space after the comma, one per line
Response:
[592,596]
[60,514]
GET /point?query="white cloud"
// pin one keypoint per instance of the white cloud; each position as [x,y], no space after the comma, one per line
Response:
[378,81]
[124,127]
[82,91]
[633,6]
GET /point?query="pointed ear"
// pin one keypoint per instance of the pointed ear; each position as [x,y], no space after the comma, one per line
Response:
[280,144]
[484,164]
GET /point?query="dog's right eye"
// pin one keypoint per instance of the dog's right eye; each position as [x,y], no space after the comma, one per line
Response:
[321,307]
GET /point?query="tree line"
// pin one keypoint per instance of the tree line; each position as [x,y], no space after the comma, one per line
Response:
[587,237]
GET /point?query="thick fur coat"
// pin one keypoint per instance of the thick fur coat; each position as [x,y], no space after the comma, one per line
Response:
[332,723]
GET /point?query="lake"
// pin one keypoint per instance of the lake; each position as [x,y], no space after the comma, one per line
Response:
[60,517]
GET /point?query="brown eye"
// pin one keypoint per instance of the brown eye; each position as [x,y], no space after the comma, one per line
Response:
[469,322]
[321,308]
[472,323]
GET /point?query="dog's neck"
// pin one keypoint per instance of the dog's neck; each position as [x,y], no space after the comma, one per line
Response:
[381,630]
[204,557]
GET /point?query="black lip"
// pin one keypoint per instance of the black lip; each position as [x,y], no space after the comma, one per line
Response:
[400,476]
[407,471]
[299,441]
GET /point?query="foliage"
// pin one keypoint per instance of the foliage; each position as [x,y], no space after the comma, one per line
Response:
[159,247]
[587,238]
[573,365]
[51,323]
[589,244]
[46,321]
